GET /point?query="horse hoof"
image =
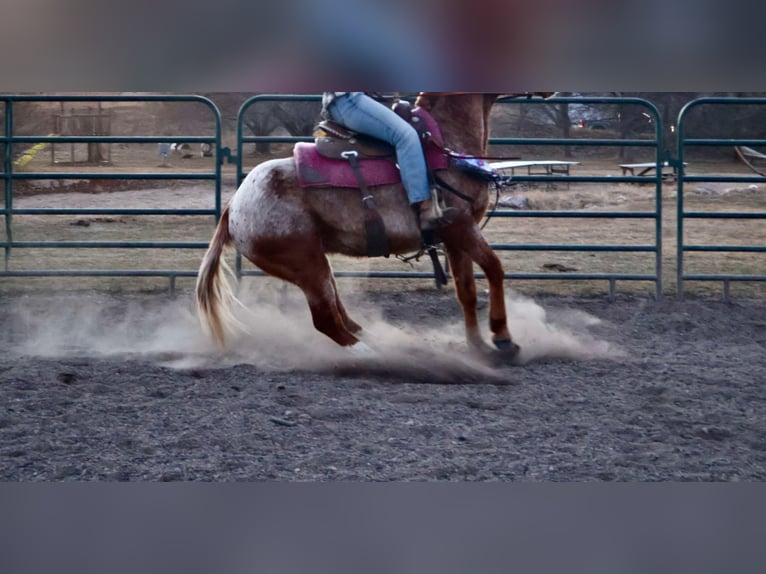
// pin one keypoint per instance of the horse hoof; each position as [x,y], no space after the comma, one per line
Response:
[507,346]
[360,349]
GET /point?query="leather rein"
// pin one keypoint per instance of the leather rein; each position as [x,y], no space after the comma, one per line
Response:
[455,155]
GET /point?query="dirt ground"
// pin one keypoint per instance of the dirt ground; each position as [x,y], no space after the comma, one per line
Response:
[126,387]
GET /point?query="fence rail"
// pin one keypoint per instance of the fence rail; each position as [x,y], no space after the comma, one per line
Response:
[683,244]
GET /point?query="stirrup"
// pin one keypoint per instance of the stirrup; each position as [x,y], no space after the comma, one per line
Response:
[447,217]
[435,215]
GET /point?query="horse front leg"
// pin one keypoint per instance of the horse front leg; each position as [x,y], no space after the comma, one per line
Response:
[478,250]
[461,267]
[490,263]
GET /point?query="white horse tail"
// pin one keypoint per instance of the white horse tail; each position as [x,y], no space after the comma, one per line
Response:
[213,291]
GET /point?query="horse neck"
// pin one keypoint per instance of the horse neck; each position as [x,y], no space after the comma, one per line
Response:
[462,118]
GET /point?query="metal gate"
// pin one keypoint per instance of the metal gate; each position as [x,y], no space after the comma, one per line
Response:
[686,217]
[654,216]
[10,175]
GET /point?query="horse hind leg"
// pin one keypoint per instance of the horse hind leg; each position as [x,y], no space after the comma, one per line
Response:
[350,324]
[310,270]
[328,319]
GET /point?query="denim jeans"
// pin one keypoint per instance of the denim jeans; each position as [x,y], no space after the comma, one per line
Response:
[361,113]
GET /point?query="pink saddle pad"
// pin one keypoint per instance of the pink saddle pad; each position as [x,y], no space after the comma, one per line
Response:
[315,170]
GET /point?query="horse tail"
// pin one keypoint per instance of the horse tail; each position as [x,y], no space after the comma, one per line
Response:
[213,292]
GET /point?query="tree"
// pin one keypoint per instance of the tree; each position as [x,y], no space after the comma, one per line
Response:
[559,115]
[298,118]
[635,123]
[262,120]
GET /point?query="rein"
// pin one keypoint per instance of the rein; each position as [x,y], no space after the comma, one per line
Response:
[496,181]
[459,156]
[447,187]
[497,184]
[455,155]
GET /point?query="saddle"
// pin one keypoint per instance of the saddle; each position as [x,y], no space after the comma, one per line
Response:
[327,161]
[335,141]
[340,157]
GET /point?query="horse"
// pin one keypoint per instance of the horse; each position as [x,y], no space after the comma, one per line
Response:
[287,231]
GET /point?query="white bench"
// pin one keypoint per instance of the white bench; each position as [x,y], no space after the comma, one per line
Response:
[649,167]
[535,167]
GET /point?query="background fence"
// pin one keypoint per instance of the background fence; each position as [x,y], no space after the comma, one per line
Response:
[11,174]
[689,218]
[653,144]
[626,241]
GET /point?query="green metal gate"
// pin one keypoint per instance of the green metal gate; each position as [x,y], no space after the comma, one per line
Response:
[9,176]
[685,217]
[654,216]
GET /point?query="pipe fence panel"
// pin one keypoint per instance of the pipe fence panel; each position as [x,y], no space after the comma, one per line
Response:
[623,137]
[730,200]
[86,144]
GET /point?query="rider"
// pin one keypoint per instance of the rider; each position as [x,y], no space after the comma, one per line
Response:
[361,113]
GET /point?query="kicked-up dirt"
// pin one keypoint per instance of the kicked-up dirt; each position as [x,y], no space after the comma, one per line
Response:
[127,387]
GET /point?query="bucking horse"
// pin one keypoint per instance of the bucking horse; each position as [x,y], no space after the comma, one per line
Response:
[288,214]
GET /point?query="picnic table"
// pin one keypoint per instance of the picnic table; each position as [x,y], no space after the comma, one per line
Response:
[649,167]
[535,167]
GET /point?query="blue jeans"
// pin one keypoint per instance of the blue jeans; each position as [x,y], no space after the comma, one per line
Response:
[360,113]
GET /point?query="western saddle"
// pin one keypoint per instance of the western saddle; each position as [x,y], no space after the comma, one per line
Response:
[335,141]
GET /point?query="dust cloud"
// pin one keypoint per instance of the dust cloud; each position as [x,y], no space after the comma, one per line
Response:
[567,336]
[280,336]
